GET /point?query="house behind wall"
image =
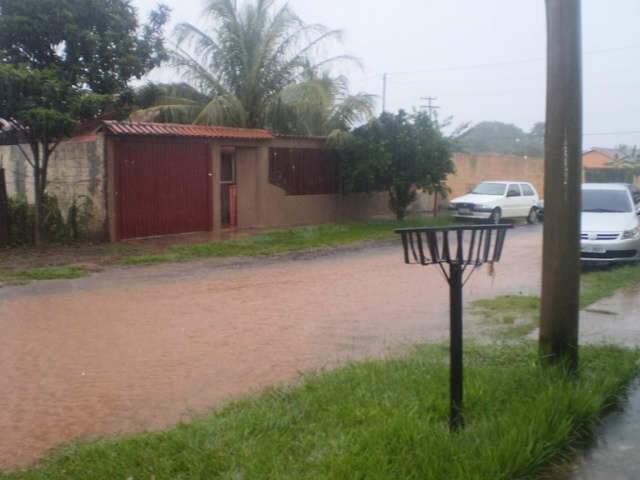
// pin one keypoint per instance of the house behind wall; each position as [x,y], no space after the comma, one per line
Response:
[260,198]
[81,169]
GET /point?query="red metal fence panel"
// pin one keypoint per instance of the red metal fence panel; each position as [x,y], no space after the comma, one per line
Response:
[163,187]
[303,171]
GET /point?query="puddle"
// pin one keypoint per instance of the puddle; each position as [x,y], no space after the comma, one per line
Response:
[600,312]
[615,453]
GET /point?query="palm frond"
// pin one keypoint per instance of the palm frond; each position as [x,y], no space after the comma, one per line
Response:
[168,113]
[352,110]
[225,110]
[203,45]
[195,73]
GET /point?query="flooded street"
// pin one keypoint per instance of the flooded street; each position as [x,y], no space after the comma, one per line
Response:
[139,349]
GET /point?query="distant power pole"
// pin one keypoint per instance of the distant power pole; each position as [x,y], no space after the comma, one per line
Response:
[432,110]
[384,92]
[563,178]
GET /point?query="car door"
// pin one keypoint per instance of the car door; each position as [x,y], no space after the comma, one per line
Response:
[529,199]
[512,201]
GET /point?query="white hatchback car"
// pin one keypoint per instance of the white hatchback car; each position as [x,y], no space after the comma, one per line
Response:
[494,201]
[610,224]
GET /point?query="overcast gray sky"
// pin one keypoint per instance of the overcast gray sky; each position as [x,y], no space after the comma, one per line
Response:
[482,59]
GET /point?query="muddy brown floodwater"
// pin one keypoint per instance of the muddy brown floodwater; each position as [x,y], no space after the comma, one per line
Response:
[140,349]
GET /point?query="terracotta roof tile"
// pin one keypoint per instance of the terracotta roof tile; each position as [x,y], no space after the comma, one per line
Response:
[179,130]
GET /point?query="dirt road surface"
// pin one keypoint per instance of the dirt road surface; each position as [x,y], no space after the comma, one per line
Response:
[136,349]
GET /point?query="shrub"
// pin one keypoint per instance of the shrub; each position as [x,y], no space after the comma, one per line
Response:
[55,228]
[79,217]
[21,221]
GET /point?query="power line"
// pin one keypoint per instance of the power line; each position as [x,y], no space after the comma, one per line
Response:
[507,62]
[432,110]
[629,132]
[493,64]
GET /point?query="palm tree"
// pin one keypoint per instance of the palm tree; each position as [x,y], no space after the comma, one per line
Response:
[318,105]
[255,69]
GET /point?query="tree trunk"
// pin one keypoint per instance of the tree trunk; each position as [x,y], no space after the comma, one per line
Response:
[563,178]
[37,195]
[4,211]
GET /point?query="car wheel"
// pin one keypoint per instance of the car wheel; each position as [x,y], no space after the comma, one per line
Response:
[496,217]
[532,218]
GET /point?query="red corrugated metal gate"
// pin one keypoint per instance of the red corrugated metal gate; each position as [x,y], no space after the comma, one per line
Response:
[163,186]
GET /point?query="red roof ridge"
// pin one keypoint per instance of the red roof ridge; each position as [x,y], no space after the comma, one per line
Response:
[184,130]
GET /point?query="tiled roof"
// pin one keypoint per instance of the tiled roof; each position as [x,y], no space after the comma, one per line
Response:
[608,152]
[300,137]
[179,130]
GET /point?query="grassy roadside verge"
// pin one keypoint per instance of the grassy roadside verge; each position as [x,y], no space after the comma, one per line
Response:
[279,241]
[286,240]
[382,419]
[518,315]
[25,276]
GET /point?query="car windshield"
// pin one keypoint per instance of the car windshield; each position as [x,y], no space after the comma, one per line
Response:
[606,201]
[489,189]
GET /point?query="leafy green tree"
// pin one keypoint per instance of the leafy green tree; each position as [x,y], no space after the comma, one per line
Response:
[62,61]
[254,67]
[503,138]
[398,153]
[628,157]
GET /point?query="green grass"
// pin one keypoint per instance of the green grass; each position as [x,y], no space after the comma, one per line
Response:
[518,315]
[22,277]
[382,419]
[287,240]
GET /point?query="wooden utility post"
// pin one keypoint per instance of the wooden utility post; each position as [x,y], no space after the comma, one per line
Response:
[4,211]
[563,178]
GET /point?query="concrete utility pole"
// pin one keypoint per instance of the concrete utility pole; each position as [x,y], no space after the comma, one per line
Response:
[563,178]
[432,110]
[384,92]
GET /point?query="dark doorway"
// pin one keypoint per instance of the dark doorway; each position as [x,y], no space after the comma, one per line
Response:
[228,190]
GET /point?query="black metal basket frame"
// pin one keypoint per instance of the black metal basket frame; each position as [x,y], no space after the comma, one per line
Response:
[433,245]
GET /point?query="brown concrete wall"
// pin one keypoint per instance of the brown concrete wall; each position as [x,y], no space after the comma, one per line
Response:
[276,208]
[247,184]
[473,169]
[360,206]
[76,170]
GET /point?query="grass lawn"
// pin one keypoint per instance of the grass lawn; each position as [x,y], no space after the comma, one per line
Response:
[22,277]
[382,419]
[518,315]
[278,241]
[288,240]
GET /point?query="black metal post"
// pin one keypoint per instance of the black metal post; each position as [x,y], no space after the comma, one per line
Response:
[434,246]
[456,390]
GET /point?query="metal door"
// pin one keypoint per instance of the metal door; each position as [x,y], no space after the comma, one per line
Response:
[163,186]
